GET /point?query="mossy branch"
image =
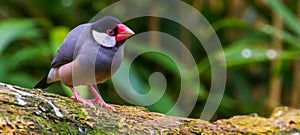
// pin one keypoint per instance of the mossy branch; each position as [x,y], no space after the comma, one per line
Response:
[27,111]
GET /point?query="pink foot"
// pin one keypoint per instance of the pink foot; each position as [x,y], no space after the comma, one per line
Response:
[86,102]
[98,99]
[102,103]
[80,99]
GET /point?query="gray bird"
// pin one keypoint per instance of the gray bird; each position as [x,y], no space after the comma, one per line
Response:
[90,54]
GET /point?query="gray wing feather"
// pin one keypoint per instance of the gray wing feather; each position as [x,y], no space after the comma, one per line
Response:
[65,53]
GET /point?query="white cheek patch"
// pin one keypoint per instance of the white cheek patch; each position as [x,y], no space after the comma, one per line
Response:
[104,39]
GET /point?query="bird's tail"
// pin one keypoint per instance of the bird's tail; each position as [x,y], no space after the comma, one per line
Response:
[43,83]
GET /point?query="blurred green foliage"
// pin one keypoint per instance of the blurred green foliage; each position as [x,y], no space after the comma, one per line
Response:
[32,31]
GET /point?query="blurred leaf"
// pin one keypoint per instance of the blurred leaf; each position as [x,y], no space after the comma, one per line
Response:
[161,59]
[229,22]
[67,90]
[247,53]
[289,18]
[227,102]
[242,89]
[21,79]
[203,93]
[168,64]
[286,36]
[203,65]
[139,86]
[57,36]
[3,68]
[28,54]
[82,90]
[13,29]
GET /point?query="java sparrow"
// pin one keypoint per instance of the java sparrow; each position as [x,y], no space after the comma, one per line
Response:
[86,55]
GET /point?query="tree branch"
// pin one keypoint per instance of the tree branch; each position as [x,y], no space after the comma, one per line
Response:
[27,111]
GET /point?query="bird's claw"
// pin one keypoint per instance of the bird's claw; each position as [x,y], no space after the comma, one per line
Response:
[85,102]
[103,104]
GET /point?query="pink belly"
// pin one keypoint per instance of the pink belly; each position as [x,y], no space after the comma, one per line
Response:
[72,74]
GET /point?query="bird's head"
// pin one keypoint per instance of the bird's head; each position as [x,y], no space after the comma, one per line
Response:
[110,32]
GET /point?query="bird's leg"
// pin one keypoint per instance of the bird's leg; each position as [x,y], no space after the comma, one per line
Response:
[98,99]
[80,99]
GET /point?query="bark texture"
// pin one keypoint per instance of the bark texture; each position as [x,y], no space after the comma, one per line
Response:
[27,111]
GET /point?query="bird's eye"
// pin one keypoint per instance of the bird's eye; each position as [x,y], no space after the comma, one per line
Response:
[110,32]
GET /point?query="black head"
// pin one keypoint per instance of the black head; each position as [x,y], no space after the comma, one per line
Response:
[109,31]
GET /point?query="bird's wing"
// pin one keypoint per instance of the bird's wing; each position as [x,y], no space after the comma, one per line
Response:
[65,53]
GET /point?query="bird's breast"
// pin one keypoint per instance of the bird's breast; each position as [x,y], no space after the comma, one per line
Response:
[88,70]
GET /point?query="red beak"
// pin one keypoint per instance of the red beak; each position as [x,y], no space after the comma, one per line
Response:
[123,32]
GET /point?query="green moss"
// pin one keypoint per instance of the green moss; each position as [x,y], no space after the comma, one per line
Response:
[127,120]
[82,114]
